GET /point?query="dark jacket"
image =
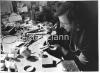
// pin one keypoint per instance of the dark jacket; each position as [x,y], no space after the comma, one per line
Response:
[76,38]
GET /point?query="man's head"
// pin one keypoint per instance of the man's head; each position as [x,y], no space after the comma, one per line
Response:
[66,13]
[68,8]
[64,22]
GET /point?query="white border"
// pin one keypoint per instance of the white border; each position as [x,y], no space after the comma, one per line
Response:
[67,0]
[49,0]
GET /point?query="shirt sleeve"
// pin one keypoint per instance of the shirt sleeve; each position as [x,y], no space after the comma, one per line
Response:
[83,41]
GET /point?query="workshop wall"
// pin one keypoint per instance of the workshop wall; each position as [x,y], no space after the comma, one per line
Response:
[6,6]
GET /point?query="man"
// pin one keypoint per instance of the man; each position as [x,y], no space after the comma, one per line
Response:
[74,47]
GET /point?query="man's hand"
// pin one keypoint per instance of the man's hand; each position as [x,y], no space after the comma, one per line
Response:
[82,58]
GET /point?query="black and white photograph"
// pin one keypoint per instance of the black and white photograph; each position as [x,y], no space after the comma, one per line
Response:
[49,36]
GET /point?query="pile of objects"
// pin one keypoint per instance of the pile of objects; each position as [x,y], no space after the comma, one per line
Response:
[25,39]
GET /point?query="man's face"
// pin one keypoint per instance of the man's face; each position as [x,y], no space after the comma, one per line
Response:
[64,22]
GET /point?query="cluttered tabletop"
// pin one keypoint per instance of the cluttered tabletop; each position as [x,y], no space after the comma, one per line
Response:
[14,47]
[24,43]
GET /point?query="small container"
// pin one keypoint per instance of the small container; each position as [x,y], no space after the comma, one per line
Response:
[25,52]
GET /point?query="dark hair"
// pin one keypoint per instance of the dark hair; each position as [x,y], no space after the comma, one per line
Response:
[70,8]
